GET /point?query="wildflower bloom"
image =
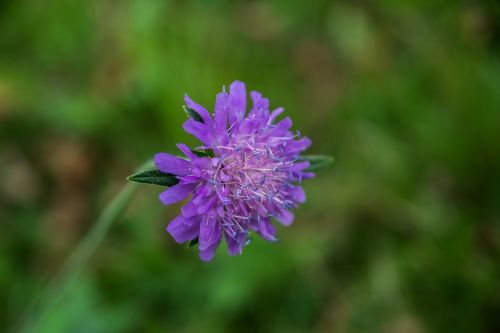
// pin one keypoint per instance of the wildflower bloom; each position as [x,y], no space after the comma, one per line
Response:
[252,174]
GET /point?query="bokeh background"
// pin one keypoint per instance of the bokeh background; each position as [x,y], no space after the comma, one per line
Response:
[401,234]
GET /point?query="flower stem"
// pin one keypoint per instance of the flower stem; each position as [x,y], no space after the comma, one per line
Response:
[45,302]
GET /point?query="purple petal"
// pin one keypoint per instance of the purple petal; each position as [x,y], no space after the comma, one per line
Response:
[235,244]
[275,114]
[296,147]
[176,193]
[260,107]
[189,179]
[221,112]
[209,252]
[298,194]
[198,130]
[238,101]
[185,149]
[207,205]
[189,209]
[307,175]
[266,229]
[210,233]
[200,162]
[204,114]
[248,126]
[202,194]
[172,164]
[182,230]
[281,127]
[222,194]
[220,211]
[284,216]
[297,167]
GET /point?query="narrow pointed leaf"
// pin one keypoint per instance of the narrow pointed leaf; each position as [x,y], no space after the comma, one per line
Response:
[203,153]
[193,114]
[155,177]
[318,162]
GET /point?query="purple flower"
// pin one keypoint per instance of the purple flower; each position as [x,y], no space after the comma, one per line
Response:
[253,175]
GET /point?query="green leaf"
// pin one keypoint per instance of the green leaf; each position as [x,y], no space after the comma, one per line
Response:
[317,161]
[203,153]
[192,242]
[155,177]
[193,114]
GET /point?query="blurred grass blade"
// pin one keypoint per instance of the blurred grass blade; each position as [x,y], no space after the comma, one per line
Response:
[155,177]
[193,114]
[318,162]
[45,302]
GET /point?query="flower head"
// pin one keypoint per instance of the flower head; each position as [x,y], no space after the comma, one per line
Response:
[252,175]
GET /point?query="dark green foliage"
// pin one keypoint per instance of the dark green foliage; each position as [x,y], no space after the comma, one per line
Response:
[193,114]
[193,242]
[203,153]
[154,177]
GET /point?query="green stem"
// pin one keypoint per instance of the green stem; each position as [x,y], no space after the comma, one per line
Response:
[55,291]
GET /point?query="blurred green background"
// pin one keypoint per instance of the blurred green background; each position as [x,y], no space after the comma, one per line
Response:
[401,234]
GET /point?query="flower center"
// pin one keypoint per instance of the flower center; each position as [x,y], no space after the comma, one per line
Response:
[252,172]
